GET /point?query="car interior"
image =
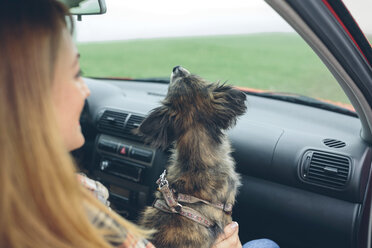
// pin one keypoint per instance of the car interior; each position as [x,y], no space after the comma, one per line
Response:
[305,167]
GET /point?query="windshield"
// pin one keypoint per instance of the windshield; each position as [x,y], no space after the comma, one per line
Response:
[245,43]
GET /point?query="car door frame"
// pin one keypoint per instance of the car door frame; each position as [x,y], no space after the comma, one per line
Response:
[334,36]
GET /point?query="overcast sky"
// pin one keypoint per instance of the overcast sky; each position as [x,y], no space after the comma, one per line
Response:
[133,19]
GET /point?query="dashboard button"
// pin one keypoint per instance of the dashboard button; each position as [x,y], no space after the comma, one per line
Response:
[107,146]
[123,150]
[141,154]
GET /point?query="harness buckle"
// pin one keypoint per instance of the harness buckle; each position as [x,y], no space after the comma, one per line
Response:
[162,181]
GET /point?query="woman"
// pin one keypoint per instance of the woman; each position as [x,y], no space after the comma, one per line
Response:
[41,98]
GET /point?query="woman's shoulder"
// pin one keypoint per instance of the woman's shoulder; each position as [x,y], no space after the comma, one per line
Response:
[97,189]
[115,233]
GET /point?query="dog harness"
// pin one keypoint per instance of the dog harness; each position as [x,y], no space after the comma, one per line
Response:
[171,203]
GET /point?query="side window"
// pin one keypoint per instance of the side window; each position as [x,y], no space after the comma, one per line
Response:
[245,43]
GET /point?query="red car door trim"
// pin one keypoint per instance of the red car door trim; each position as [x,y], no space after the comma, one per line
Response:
[344,27]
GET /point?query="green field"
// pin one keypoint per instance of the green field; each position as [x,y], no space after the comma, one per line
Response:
[275,62]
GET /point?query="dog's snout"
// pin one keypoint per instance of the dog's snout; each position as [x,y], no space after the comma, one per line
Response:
[180,71]
[177,73]
[176,68]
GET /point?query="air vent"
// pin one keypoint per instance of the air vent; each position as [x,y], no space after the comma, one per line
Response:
[334,143]
[326,169]
[133,122]
[120,124]
[112,122]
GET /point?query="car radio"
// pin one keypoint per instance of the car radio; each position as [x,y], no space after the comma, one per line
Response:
[123,166]
[123,158]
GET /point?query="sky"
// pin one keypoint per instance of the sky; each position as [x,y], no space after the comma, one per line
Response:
[137,19]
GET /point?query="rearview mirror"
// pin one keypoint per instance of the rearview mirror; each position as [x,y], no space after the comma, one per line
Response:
[86,7]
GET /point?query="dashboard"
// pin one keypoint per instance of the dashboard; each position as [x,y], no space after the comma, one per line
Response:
[305,171]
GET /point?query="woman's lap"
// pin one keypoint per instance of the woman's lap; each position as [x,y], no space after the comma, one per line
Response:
[261,243]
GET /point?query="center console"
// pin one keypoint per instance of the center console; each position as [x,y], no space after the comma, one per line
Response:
[127,168]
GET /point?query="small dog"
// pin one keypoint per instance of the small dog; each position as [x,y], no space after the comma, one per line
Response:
[193,116]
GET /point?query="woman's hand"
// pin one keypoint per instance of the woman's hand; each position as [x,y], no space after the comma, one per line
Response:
[230,238]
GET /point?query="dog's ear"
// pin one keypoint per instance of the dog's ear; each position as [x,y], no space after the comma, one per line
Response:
[229,103]
[157,128]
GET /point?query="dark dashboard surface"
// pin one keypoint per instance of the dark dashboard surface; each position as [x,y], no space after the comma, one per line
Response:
[304,169]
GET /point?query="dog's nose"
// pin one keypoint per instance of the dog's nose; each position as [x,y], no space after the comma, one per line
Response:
[179,71]
[176,68]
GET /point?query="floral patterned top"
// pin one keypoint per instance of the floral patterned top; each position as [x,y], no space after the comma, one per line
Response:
[103,220]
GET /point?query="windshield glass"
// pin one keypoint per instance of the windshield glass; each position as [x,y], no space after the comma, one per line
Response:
[245,43]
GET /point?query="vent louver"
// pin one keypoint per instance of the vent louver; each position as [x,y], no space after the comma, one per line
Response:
[119,124]
[326,169]
[334,143]
[133,122]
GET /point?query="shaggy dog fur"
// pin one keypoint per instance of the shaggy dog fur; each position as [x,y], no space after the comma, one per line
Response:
[193,116]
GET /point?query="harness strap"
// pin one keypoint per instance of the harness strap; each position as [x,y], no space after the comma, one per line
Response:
[227,207]
[184,211]
[171,204]
[168,196]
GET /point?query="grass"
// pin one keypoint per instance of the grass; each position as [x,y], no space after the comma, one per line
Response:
[275,62]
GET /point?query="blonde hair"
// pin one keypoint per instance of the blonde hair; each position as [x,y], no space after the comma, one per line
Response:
[41,202]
